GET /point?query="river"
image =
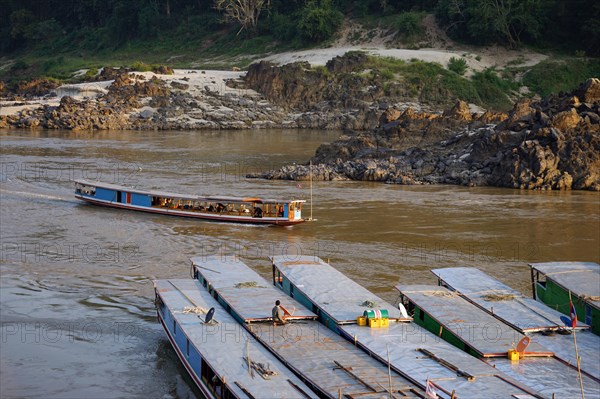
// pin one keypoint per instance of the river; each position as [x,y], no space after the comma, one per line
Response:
[76,309]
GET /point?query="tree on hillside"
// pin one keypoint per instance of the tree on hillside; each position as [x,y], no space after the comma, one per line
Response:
[320,20]
[245,12]
[484,21]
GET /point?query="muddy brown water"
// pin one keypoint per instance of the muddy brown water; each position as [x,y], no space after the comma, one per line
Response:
[77,312]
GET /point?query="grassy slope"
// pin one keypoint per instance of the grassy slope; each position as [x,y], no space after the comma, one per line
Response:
[223,49]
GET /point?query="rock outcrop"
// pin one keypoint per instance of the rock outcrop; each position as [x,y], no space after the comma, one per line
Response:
[550,144]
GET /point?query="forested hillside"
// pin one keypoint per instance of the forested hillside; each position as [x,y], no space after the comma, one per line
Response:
[95,25]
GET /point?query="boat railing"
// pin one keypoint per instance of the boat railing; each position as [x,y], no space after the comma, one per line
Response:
[216,209]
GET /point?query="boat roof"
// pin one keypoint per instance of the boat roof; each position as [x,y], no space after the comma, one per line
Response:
[485,334]
[413,351]
[158,193]
[225,344]
[548,376]
[245,290]
[323,357]
[581,278]
[340,297]
[521,312]
[420,355]
[518,310]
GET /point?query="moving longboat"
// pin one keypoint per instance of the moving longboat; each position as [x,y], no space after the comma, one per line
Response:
[225,209]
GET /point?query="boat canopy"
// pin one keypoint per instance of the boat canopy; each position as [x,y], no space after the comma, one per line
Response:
[478,329]
[238,284]
[224,199]
[523,313]
[340,297]
[224,344]
[580,278]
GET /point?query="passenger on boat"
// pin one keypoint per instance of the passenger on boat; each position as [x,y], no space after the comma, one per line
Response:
[278,313]
[257,212]
[280,212]
[220,207]
[211,208]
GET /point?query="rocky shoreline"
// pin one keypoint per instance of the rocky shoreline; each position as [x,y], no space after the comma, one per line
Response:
[553,143]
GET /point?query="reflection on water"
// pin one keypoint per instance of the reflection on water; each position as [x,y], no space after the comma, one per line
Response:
[77,310]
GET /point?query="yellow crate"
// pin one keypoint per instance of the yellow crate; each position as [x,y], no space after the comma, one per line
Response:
[513,355]
[361,321]
[374,323]
[384,322]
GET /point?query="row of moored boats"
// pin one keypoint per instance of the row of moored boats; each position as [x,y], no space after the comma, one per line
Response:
[471,336]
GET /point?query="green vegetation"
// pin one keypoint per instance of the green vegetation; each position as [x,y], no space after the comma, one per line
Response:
[54,38]
[562,75]
[458,65]
[319,20]
[432,83]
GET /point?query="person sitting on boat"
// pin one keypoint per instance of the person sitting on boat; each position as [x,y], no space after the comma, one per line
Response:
[280,212]
[211,208]
[278,313]
[257,212]
[220,207]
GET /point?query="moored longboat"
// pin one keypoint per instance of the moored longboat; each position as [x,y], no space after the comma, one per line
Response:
[559,283]
[404,346]
[543,324]
[215,208]
[325,361]
[222,360]
[471,328]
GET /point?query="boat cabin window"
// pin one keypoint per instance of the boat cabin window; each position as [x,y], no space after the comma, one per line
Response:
[213,382]
[278,278]
[541,279]
[82,189]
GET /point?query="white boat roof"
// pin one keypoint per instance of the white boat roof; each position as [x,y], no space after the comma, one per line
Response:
[544,374]
[338,296]
[245,290]
[421,355]
[524,313]
[581,278]
[225,344]
[519,310]
[306,346]
[483,332]
[158,193]
[548,376]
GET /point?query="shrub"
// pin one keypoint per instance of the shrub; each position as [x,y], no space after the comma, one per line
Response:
[283,27]
[141,66]
[19,66]
[319,21]
[493,90]
[458,65]
[91,73]
[410,24]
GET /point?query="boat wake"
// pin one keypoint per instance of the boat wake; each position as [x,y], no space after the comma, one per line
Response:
[34,195]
